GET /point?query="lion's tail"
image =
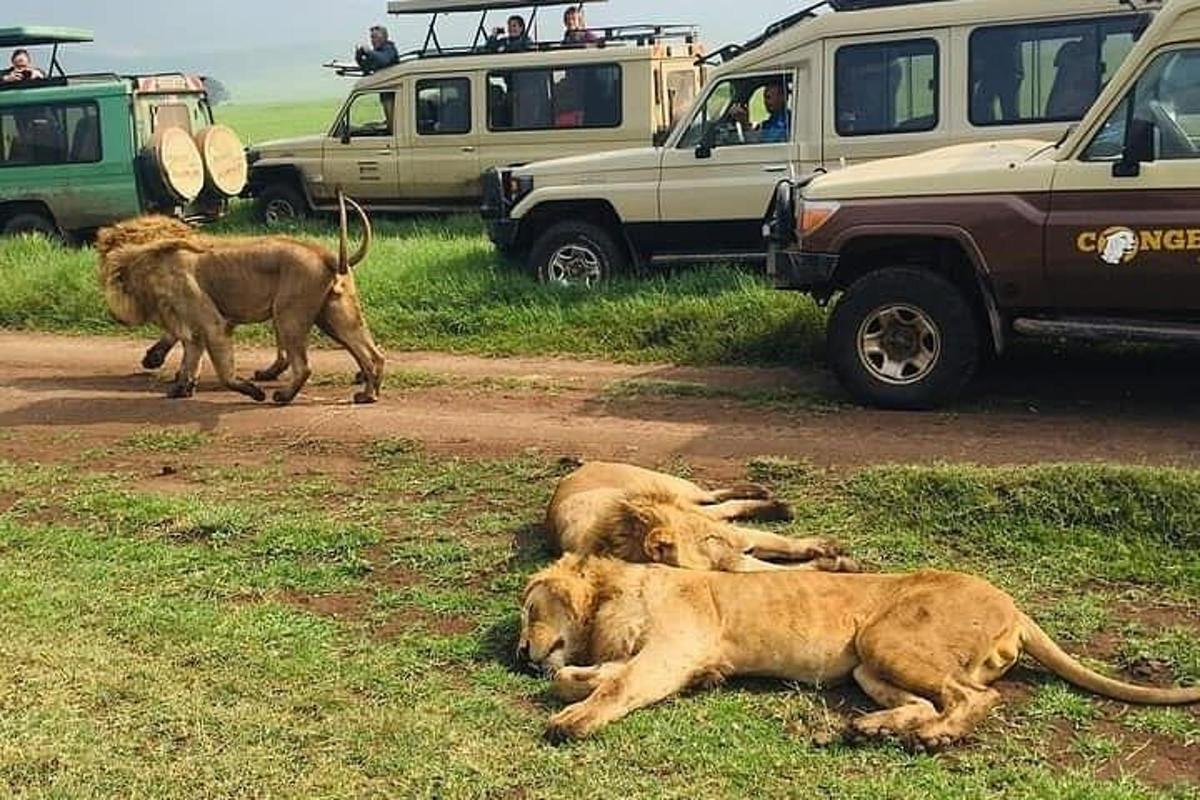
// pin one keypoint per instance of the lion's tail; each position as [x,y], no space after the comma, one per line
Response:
[347,262]
[1039,645]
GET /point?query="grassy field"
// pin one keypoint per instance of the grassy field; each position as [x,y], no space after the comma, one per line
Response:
[256,123]
[438,284]
[340,624]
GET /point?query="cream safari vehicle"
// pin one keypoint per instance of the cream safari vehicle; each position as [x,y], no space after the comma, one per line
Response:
[417,136]
[940,257]
[838,82]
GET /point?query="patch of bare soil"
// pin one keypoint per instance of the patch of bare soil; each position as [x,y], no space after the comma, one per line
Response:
[91,391]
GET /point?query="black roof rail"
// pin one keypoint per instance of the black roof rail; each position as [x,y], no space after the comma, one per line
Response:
[730,51]
[639,35]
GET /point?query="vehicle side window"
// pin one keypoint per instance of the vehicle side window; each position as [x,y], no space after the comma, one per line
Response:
[681,91]
[1167,96]
[170,115]
[45,135]
[443,106]
[1049,72]
[887,87]
[369,115]
[540,99]
[743,111]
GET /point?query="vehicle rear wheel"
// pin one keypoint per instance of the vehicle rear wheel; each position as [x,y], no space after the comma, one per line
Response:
[903,338]
[280,204]
[577,254]
[30,222]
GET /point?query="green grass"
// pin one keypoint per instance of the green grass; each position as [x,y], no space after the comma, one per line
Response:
[273,635]
[260,122]
[438,284]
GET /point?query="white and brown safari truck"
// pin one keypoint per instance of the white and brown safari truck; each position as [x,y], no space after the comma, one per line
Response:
[418,135]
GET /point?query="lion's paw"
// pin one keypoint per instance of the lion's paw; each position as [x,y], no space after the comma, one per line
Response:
[573,722]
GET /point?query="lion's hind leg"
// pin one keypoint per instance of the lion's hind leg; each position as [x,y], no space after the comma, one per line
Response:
[762,510]
[341,320]
[220,351]
[903,711]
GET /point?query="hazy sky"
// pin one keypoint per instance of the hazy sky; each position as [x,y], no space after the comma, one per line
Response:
[138,28]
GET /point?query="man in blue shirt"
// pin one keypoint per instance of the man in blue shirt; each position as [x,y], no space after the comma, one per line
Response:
[777,127]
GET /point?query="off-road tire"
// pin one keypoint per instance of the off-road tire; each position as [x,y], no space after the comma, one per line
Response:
[30,222]
[582,243]
[915,311]
[276,199]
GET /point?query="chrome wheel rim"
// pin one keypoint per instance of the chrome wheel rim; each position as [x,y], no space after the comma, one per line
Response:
[899,344]
[279,210]
[575,264]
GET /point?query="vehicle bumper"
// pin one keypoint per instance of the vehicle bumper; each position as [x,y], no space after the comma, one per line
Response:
[789,268]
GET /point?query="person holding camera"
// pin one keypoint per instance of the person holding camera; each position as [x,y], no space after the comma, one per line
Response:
[381,54]
[21,68]
[512,39]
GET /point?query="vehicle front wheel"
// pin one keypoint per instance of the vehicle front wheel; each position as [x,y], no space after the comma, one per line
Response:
[903,338]
[577,254]
[281,204]
[30,222]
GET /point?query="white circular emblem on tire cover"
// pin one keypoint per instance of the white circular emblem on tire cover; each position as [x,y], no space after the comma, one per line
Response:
[178,162]
[224,158]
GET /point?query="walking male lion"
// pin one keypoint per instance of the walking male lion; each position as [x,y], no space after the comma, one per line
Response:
[640,515]
[926,646]
[198,289]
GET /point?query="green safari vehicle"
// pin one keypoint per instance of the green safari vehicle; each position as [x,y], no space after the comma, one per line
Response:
[80,151]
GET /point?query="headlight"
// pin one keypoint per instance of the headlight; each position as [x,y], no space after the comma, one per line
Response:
[517,186]
[814,215]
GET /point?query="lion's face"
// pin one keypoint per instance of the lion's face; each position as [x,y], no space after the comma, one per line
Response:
[685,538]
[553,633]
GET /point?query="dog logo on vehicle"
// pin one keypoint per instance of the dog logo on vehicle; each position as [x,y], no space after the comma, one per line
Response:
[1117,246]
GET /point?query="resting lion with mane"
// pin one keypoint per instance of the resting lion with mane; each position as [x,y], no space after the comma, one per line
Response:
[926,646]
[640,515]
[198,288]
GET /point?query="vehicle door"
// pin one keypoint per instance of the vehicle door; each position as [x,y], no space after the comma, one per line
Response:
[1124,236]
[444,141]
[362,155]
[66,154]
[718,176]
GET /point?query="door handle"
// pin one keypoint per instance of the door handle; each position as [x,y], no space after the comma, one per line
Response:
[468,149]
[383,152]
[776,168]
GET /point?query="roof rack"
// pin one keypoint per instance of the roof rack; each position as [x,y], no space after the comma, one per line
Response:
[35,35]
[731,51]
[638,35]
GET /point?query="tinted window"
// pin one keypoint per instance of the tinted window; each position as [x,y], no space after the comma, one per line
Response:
[889,87]
[50,134]
[1167,96]
[444,106]
[538,99]
[1050,72]
[370,115]
[743,111]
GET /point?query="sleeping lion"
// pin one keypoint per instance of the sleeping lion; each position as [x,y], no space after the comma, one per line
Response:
[926,646]
[642,516]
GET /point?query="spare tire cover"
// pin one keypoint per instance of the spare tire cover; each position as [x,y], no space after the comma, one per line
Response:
[177,162]
[224,158]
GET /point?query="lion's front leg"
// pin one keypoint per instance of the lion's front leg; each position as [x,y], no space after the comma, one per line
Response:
[821,554]
[575,683]
[156,356]
[189,370]
[649,677]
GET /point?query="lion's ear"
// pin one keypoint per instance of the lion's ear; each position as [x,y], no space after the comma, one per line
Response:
[637,514]
[661,548]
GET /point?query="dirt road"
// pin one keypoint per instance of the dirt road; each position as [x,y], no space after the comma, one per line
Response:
[57,388]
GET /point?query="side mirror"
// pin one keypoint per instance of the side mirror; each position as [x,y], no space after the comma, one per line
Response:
[707,144]
[1140,148]
[704,150]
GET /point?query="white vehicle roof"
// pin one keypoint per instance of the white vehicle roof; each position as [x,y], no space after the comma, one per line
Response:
[452,6]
